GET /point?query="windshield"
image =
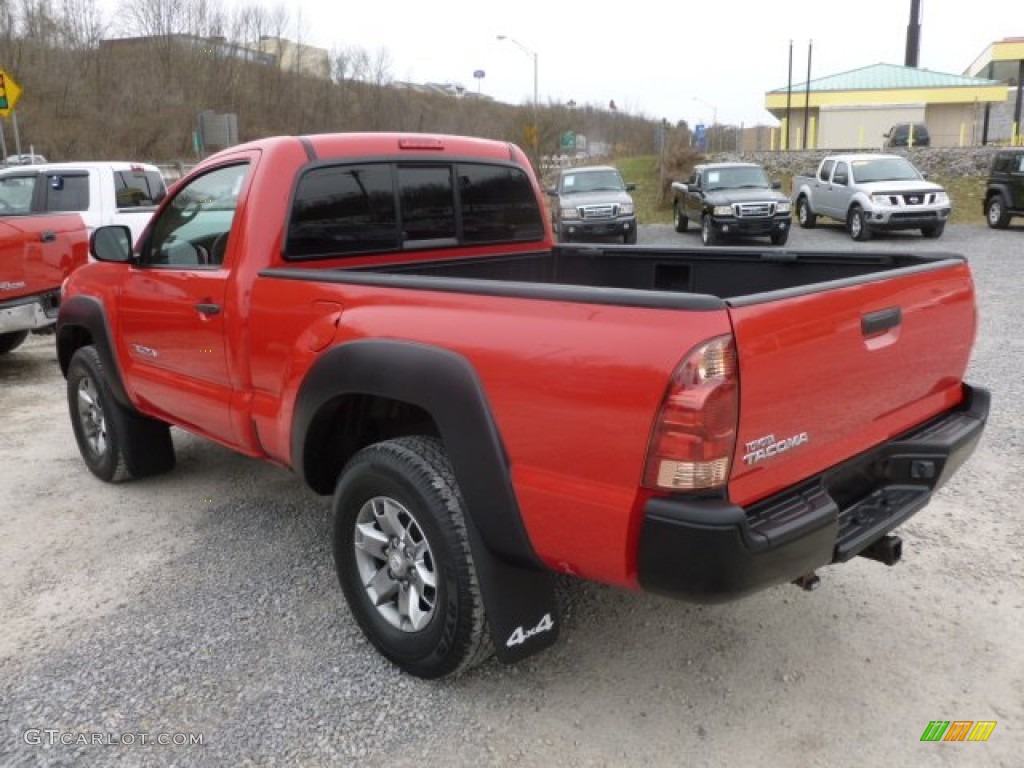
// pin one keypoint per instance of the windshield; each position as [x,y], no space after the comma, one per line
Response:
[736,178]
[884,169]
[592,181]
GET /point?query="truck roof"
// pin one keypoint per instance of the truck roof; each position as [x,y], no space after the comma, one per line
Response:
[859,156]
[116,165]
[327,145]
[705,166]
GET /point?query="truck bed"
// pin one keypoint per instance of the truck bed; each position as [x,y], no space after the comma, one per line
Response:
[670,277]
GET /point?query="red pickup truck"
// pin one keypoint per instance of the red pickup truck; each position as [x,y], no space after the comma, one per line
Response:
[388,316]
[41,243]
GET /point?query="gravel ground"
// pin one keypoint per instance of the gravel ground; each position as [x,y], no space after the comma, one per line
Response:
[205,603]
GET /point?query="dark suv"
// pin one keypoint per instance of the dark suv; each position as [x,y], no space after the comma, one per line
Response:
[592,202]
[1004,193]
[908,135]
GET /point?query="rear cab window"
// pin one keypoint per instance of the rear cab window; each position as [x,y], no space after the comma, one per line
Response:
[138,188]
[348,209]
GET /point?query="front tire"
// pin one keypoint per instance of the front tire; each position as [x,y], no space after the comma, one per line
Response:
[402,554]
[11,341]
[780,238]
[708,235]
[933,232]
[679,220]
[857,225]
[995,213]
[116,442]
[629,238]
[804,215]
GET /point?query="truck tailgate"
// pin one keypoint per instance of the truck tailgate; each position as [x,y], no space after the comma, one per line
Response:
[829,374]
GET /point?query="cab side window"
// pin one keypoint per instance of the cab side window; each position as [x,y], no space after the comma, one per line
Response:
[66,193]
[193,230]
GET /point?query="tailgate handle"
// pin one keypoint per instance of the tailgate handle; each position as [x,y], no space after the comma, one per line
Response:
[208,309]
[47,237]
[881,321]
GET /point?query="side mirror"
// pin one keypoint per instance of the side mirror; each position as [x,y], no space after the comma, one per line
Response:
[776,185]
[551,191]
[111,243]
[630,187]
[840,178]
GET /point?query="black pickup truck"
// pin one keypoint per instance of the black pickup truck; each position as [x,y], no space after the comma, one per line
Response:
[731,200]
[1004,193]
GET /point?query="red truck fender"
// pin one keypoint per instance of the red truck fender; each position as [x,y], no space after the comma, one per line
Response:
[147,445]
[517,590]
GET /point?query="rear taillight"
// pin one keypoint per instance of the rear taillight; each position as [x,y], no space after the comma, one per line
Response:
[695,433]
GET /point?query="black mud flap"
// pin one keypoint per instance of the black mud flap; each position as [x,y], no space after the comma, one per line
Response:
[520,602]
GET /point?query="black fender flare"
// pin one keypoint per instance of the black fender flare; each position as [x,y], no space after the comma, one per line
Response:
[999,190]
[88,313]
[518,591]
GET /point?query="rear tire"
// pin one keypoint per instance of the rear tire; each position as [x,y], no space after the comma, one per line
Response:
[995,213]
[804,215]
[679,220]
[857,225]
[11,341]
[402,554]
[934,232]
[116,443]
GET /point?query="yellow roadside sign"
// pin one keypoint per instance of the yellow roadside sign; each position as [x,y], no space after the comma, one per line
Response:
[10,92]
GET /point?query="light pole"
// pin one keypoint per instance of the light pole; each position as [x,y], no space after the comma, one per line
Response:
[714,117]
[533,55]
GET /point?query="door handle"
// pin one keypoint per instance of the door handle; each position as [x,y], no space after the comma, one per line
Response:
[881,321]
[208,309]
[47,237]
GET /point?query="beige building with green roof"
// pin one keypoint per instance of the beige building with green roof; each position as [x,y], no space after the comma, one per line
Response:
[853,110]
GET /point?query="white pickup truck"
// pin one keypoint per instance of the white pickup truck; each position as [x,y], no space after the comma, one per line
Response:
[871,193]
[117,192]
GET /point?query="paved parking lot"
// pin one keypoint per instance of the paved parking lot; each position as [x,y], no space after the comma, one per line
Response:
[203,605]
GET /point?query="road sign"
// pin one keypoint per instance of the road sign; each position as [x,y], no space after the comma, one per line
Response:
[10,92]
[567,141]
[700,136]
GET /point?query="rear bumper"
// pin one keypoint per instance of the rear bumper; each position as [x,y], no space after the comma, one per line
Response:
[29,313]
[712,551]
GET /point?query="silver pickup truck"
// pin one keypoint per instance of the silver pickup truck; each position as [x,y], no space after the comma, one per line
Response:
[871,193]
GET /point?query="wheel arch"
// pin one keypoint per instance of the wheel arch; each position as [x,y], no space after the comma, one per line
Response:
[387,388]
[1001,191]
[83,321]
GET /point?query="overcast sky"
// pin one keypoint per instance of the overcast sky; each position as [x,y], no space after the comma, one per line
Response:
[659,58]
[675,59]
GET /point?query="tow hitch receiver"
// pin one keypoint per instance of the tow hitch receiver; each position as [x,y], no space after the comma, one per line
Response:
[888,550]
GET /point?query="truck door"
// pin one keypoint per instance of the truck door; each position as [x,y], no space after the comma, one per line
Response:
[693,200]
[835,194]
[1016,181]
[172,306]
